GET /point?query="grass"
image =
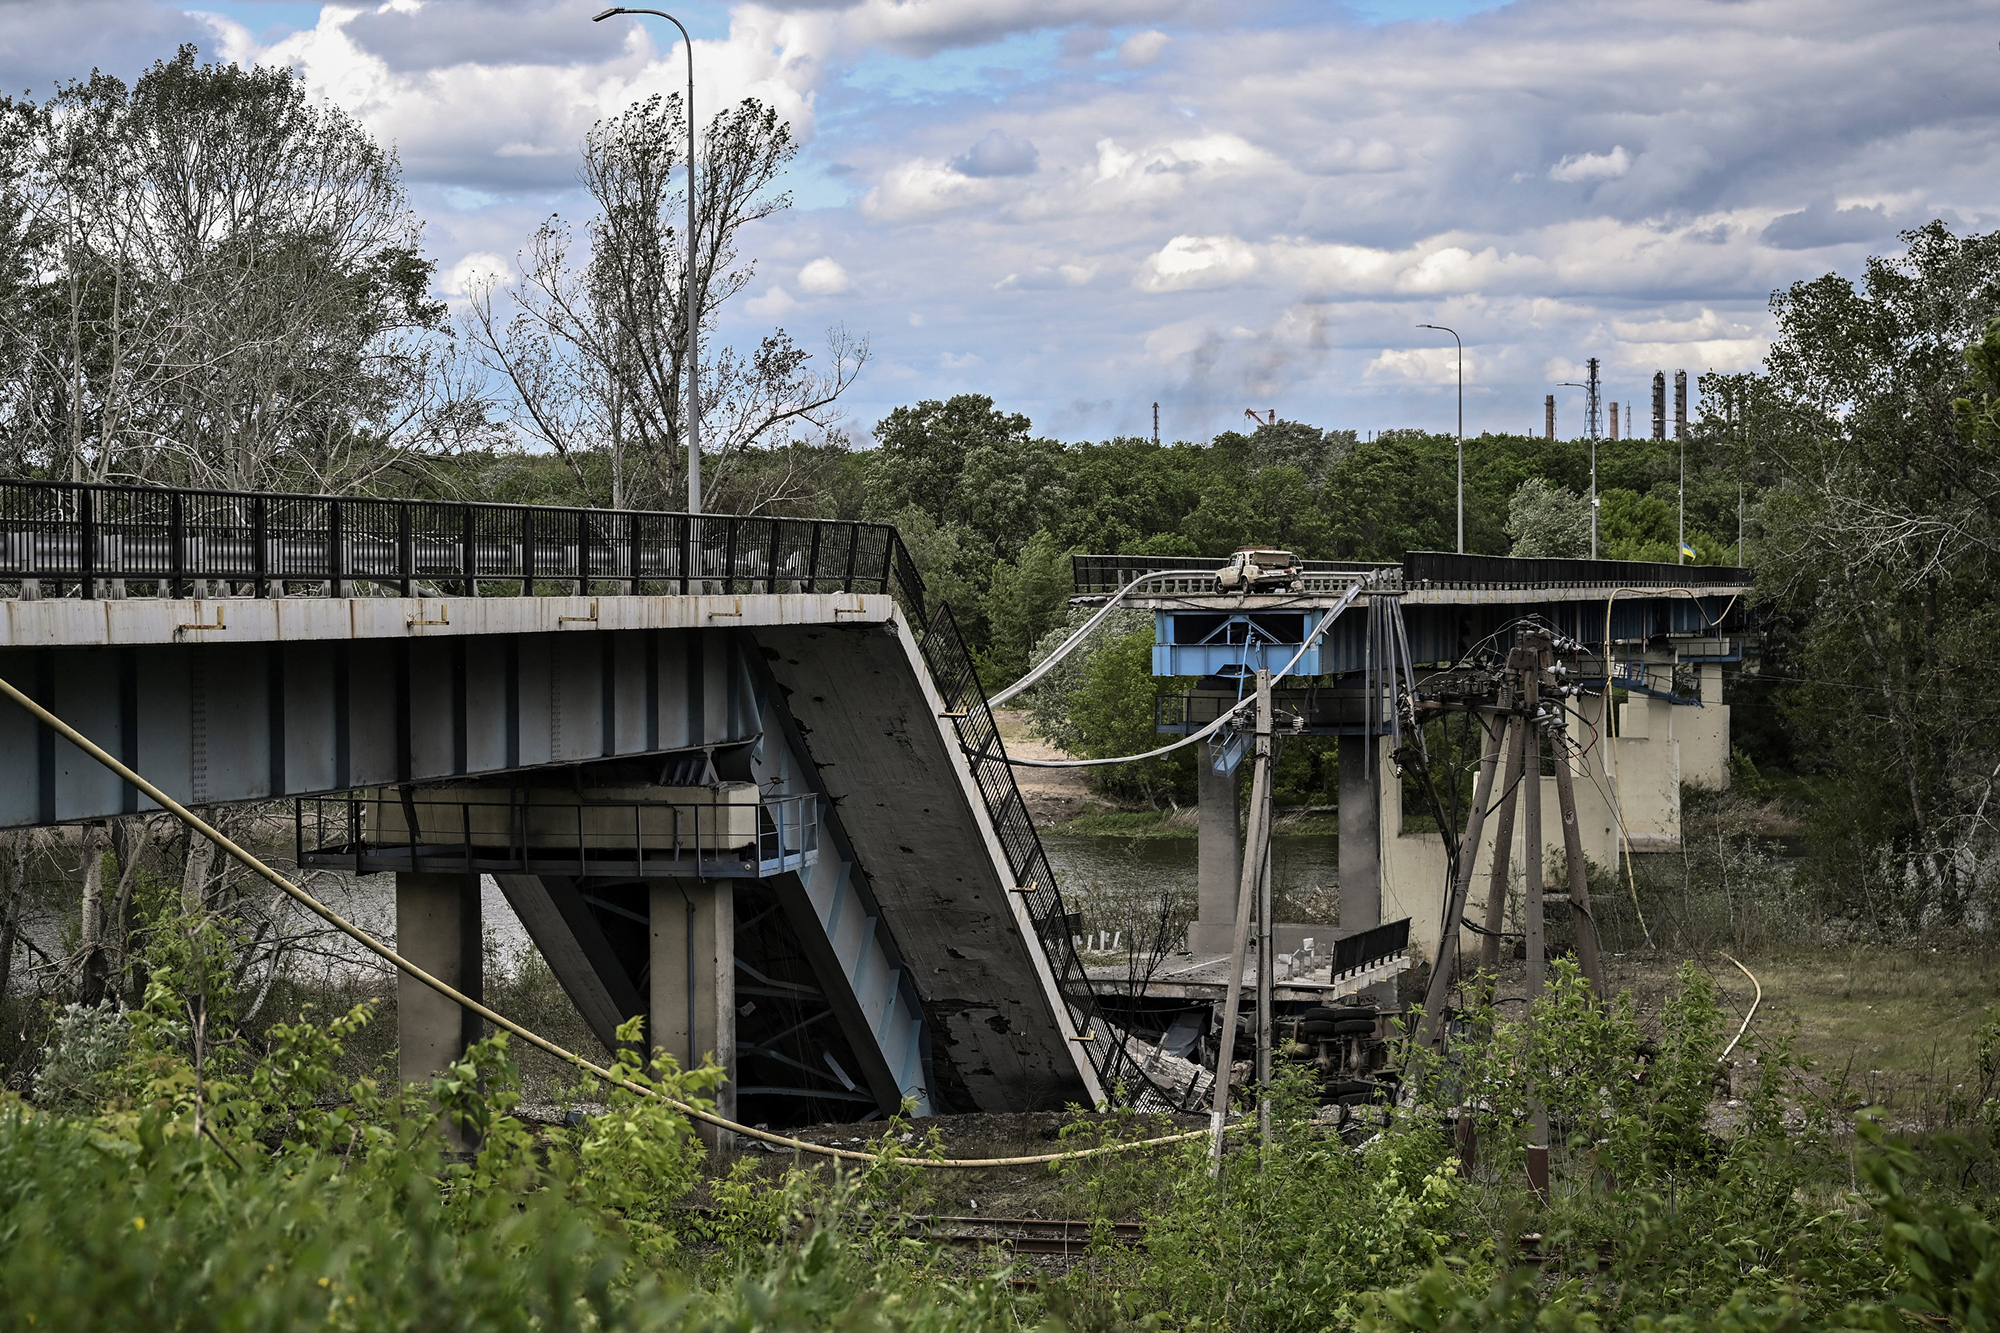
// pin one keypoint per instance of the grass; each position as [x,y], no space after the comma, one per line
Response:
[1181,823]
[1897,1027]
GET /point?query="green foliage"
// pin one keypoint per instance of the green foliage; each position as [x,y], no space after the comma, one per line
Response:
[1547,520]
[85,1047]
[1025,598]
[1111,713]
[1879,563]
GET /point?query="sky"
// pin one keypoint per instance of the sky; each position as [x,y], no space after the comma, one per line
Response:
[1085,207]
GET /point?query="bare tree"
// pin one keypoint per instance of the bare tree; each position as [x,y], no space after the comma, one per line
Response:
[595,351]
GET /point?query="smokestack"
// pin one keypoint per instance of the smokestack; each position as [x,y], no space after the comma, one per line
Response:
[1659,404]
[1156,425]
[1680,404]
[1614,421]
[1549,416]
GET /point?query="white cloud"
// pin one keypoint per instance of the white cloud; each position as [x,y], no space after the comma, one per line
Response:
[1593,166]
[1142,48]
[774,302]
[1418,365]
[1267,221]
[1188,262]
[472,272]
[823,277]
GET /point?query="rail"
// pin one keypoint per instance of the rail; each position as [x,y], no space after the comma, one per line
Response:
[531,831]
[1446,569]
[1091,574]
[1096,574]
[88,540]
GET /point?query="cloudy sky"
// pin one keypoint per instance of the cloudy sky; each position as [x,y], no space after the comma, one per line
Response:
[1082,207]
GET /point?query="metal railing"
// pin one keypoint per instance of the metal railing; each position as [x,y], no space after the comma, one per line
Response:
[552,832]
[1108,573]
[1112,1051]
[69,539]
[1358,953]
[1317,708]
[1097,574]
[1445,569]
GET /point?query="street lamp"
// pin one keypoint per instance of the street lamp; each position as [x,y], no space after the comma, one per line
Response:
[693,322]
[1572,384]
[1461,428]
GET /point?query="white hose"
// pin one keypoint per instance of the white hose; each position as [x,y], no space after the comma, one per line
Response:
[1326,622]
[1048,663]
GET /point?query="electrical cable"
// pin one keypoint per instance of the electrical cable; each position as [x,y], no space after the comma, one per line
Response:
[1326,622]
[1757,1000]
[499,1020]
[1048,664]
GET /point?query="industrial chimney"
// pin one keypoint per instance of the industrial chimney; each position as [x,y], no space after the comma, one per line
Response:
[1659,404]
[1680,404]
[1614,421]
[1549,416]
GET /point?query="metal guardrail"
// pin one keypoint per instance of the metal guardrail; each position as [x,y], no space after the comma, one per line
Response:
[1111,1050]
[1446,569]
[540,832]
[69,539]
[1108,573]
[1358,953]
[1095,574]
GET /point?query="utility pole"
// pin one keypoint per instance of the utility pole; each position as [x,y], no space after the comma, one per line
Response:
[1516,709]
[1256,857]
[1267,961]
[1681,542]
[1590,420]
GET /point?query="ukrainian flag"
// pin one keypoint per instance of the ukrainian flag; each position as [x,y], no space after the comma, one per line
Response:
[1689,552]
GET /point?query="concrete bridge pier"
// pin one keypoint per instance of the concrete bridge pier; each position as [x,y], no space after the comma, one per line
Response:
[438,928]
[1360,841]
[692,978]
[1219,852]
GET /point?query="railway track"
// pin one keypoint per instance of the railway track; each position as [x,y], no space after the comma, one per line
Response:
[1064,1237]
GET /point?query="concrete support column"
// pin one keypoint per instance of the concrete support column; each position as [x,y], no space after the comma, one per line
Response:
[1360,835]
[438,929]
[693,998]
[1220,866]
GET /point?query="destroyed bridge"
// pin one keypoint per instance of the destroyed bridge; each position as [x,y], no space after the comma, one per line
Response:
[739,774]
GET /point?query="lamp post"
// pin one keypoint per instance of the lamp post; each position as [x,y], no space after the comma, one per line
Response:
[1572,384]
[693,320]
[1461,428]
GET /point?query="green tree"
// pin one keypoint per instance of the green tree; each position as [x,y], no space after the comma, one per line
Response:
[1547,520]
[1025,598]
[1880,546]
[223,287]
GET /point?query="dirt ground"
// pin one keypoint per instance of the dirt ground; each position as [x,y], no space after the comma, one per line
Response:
[1053,795]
